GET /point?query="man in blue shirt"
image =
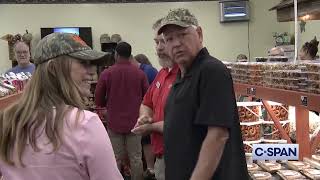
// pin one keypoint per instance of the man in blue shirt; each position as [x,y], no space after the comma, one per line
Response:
[148,69]
[22,55]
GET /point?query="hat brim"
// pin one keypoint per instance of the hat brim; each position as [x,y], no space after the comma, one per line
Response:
[177,23]
[90,55]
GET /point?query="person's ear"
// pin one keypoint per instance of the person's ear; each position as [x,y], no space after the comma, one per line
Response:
[199,32]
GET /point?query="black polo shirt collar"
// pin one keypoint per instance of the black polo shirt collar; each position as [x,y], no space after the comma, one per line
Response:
[194,66]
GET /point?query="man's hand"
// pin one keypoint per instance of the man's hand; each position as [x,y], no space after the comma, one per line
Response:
[143,120]
[143,129]
[143,125]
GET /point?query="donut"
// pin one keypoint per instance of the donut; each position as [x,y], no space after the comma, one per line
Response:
[247,148]
[248,115]
[277,113]
[242,115]
[252,131]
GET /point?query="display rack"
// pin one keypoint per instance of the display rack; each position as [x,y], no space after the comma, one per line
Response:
[7,100]
[302,101]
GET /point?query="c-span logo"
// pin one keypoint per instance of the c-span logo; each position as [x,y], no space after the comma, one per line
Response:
[275,152]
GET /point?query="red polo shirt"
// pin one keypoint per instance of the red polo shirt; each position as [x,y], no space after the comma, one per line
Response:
[120,89]
[156,98]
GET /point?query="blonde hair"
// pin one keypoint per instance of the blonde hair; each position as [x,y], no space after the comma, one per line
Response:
[50,94]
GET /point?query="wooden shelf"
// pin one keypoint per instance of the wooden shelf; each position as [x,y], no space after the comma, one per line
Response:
[7,100]
[303,102]
[288,97]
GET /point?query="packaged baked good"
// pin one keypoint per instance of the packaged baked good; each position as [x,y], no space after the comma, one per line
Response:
[313,84]
[251,131]
[260,175]
[311,173]
[247,145]
[255,80]
[313,67]
[249,111]
[290,175]
[316,158]
[253,167]
[313,90]
[280,111]
[270,131]
[314,76]
[298,165]
[255,73]
[270,166]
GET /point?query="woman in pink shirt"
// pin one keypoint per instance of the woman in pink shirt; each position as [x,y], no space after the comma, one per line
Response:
[47,134]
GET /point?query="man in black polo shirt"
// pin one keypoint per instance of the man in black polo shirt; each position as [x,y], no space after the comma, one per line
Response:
[201,127]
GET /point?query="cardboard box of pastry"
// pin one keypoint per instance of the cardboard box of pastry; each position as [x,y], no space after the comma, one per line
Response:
[290,175]
[298,165]
[260,175]
[312,173]
[249,111]
[280,111]
[270,166]
[251,131]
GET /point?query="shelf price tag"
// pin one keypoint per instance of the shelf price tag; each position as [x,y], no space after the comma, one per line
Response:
[251,91]
[304,100]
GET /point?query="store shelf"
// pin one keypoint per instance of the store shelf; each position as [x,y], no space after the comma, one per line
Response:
[303,102]
[294,98]
[7,100]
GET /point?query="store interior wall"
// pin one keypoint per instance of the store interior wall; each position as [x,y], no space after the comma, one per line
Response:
[312,28]
[133,22]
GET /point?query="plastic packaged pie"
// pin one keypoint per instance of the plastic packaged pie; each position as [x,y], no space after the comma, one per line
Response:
[270,166]
[316,158]
[311,173]
[260,175]
[253,167]
[290,175]
[298,165]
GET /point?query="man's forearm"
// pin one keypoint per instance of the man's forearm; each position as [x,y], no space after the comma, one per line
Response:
[210,153]
[145,111]
[157,127]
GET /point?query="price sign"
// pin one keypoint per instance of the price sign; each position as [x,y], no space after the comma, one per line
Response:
[304,100]
[251,91]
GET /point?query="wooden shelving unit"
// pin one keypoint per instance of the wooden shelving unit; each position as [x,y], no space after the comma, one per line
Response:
[302,101]
[7,100]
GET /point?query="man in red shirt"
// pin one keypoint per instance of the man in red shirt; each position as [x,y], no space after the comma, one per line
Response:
[152,107]
[121,89]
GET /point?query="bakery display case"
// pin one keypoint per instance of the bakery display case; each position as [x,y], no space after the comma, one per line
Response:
[286,83]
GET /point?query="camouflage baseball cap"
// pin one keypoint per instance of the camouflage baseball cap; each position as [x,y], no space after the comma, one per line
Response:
[116,38]
[180,17]
[57,44]
[105,38]
[157,24]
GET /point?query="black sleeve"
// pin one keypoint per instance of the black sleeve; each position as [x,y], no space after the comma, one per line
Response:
[216,96]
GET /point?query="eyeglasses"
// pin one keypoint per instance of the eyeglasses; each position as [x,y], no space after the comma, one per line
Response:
[22,52]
